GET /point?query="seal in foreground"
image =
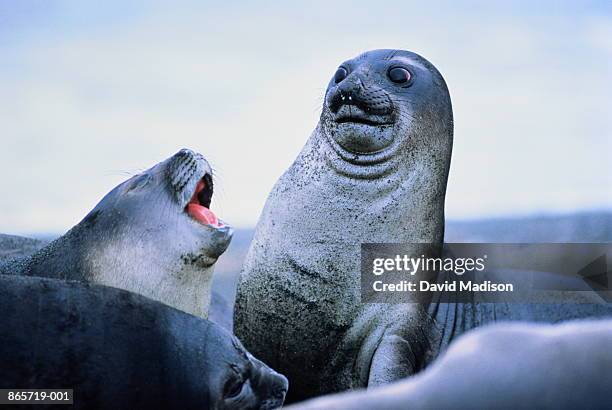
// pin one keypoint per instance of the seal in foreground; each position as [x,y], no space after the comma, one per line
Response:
[117,349]
[374,170]
[154,234]
[502,366]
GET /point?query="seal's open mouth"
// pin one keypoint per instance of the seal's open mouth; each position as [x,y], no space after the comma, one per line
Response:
[199,205]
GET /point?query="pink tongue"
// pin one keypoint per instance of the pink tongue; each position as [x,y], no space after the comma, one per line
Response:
[202,214]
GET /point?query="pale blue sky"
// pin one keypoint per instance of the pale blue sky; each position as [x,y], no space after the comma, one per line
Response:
[91,93]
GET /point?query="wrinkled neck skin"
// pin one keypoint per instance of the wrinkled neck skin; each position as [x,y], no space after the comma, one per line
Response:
[340,200]
[173,269]
[373,171]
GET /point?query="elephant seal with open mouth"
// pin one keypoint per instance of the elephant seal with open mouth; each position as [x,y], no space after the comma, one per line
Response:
[374,170]
[154,234]
[120,350]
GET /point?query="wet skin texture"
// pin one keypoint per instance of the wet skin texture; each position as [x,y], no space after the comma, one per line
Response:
[139,237]
[374,170]
[118,350]
[503,366]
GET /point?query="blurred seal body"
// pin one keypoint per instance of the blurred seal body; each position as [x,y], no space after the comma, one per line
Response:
[117,349]
[154,234]
[502,366]
[374,170]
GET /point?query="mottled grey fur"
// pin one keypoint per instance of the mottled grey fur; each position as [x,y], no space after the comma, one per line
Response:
[139,238]
[120,350]
[298,302]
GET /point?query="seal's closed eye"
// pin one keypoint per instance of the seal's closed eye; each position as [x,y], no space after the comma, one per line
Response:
[233,387]
[139,182]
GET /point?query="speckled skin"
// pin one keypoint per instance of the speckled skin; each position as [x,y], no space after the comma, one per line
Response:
[298,302]
[120,350]
[15,247]
[139,238]
[503,366]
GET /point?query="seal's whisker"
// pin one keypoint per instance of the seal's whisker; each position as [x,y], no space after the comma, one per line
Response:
[220,197]
[319,107]
[125,172]
[216,172]
[406,115]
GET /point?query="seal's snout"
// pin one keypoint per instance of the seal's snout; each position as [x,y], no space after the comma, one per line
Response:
[360,114]
[276,393]
[269,386]
[192,180]
[371,101]
[185,153]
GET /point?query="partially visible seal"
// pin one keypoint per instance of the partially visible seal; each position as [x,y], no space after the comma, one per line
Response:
[14,247]
[374,170]
[117,349]
[154,234]
[502,366]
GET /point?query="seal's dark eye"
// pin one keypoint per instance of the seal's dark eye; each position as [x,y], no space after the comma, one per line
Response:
[399,75]
[340,75]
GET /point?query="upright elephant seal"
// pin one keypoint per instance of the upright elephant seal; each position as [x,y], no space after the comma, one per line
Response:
[503,366]
[154,234]
[374,170]
[120,350]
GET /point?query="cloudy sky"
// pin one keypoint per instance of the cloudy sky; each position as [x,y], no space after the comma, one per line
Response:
[92,93]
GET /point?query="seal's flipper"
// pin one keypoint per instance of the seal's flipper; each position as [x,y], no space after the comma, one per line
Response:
[393,360]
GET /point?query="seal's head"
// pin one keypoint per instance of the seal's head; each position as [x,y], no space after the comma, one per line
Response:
[243,382]
[154,234]
[379,103]
[169,201]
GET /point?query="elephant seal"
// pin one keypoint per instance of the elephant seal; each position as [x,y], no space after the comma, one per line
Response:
[502,366]
[117,349]
[374,170]
[154,234]
[14,247]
